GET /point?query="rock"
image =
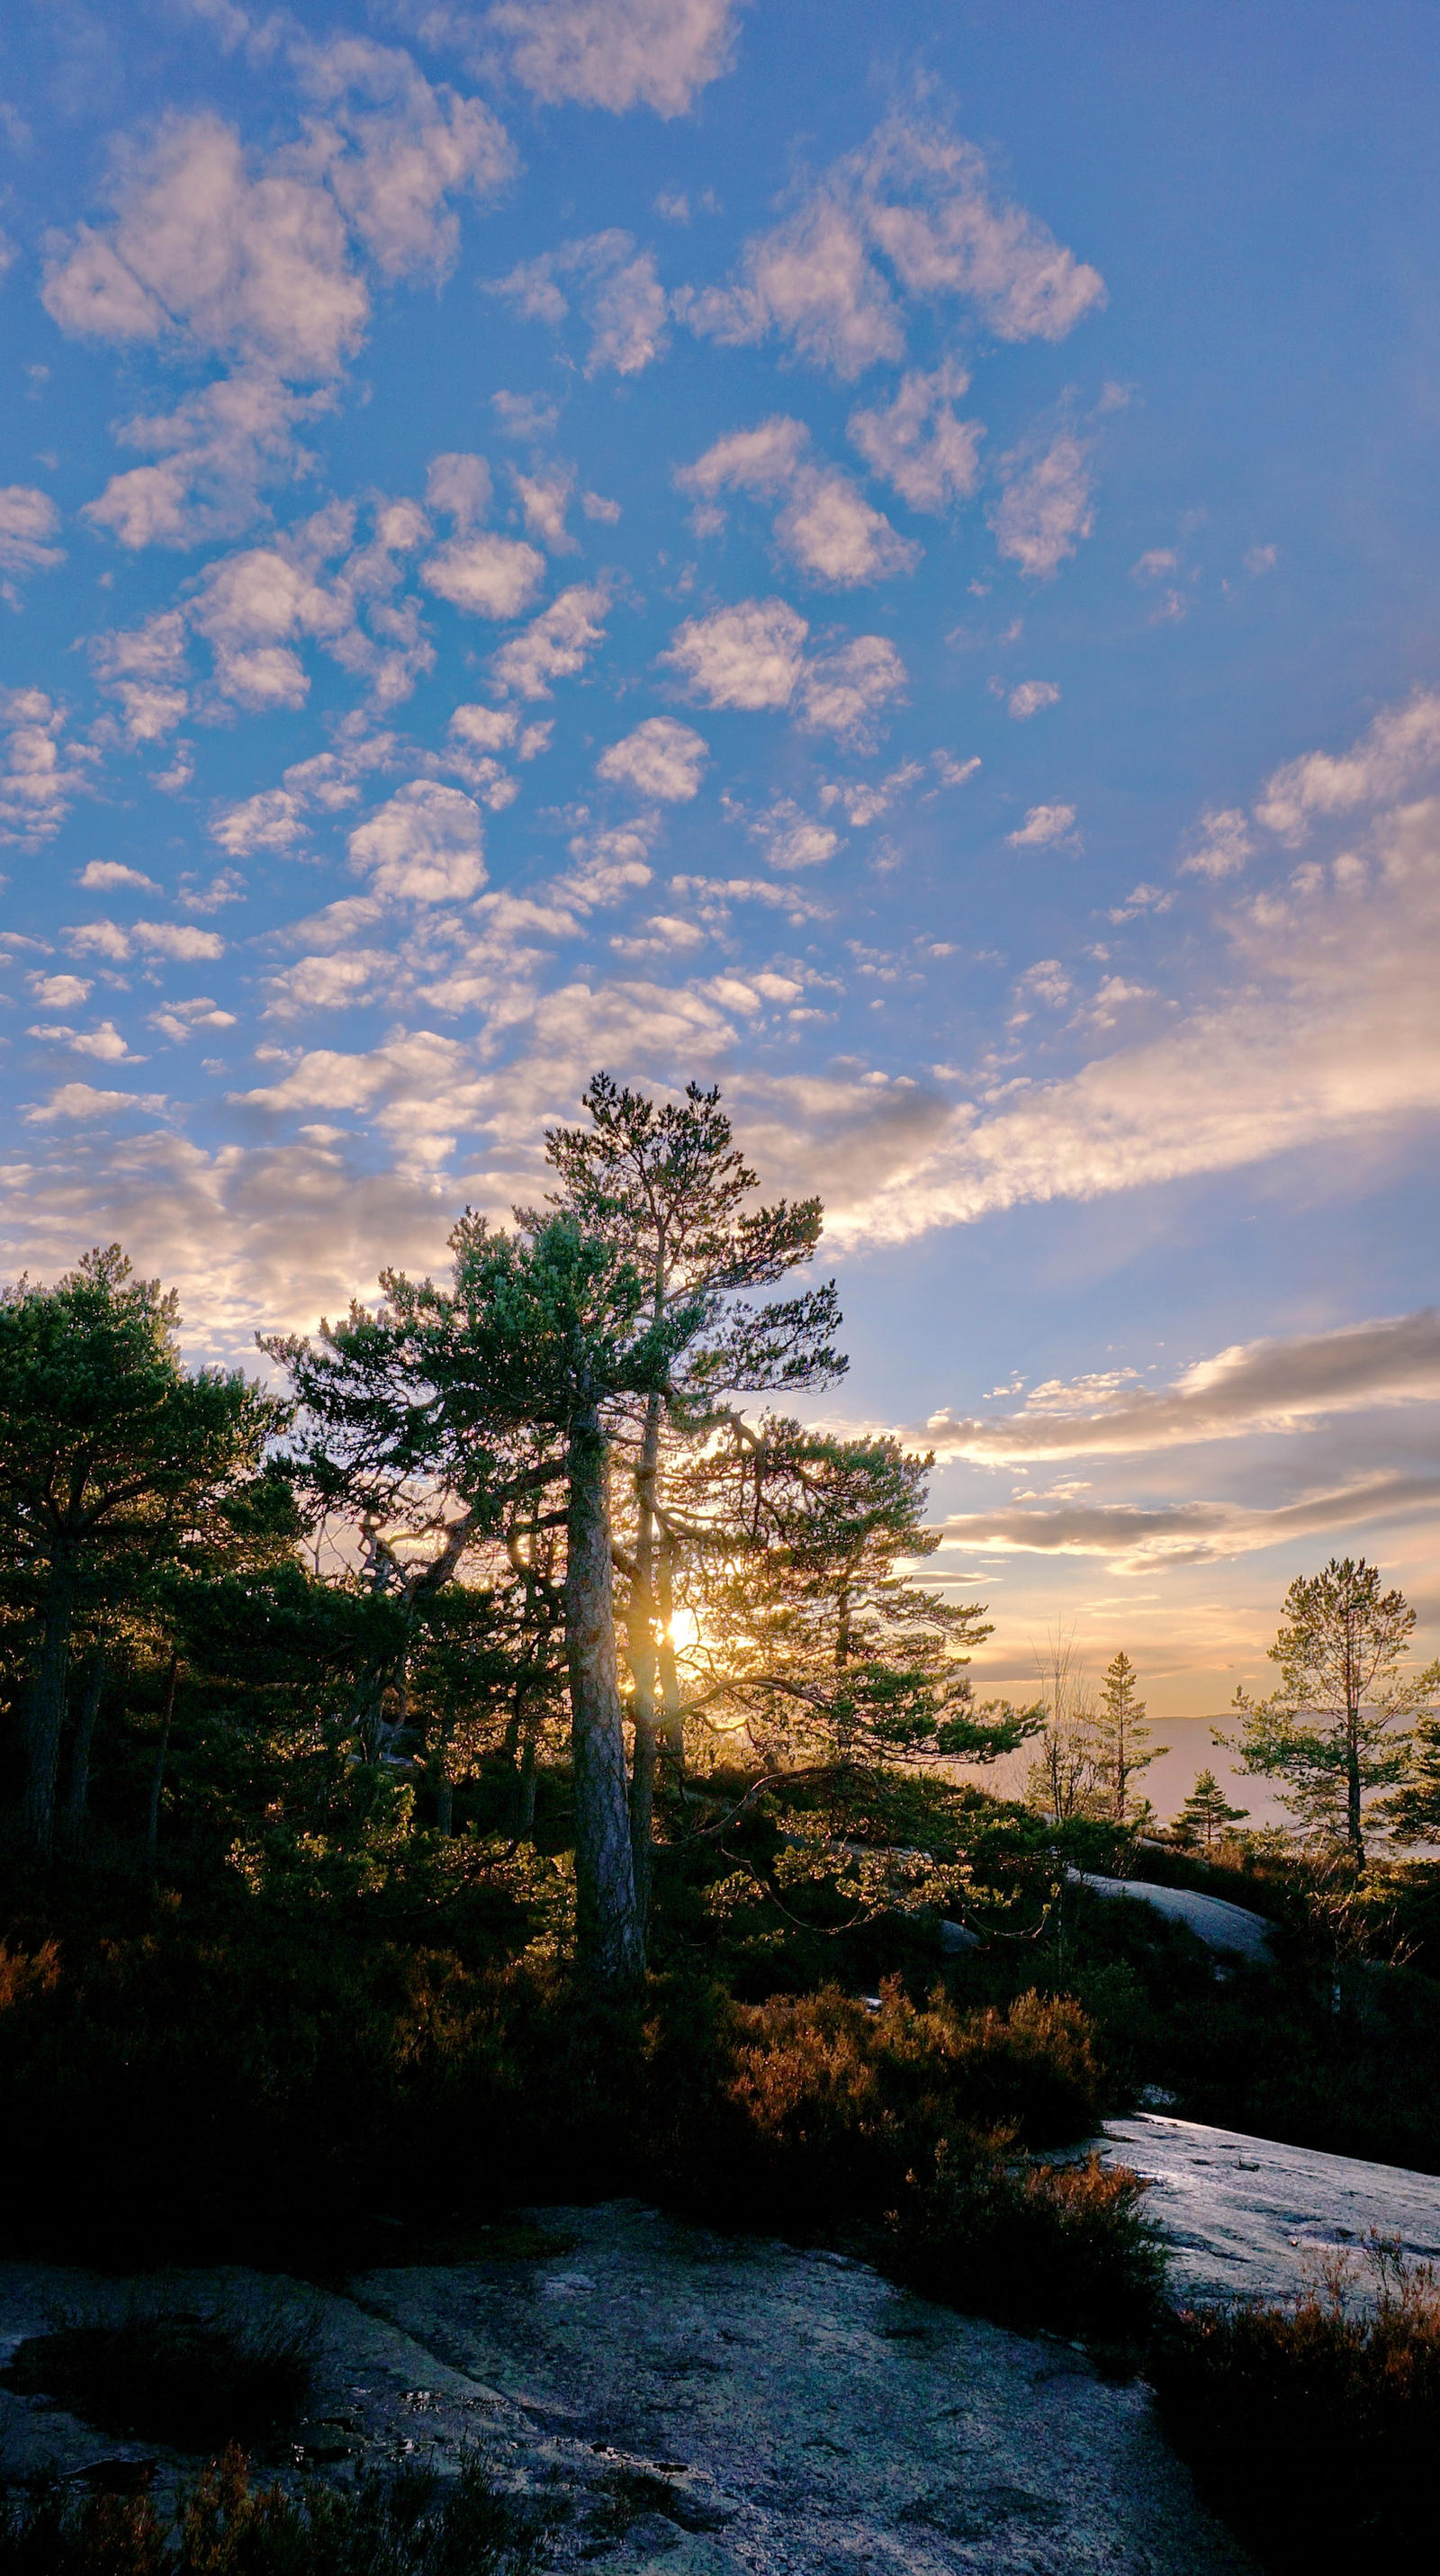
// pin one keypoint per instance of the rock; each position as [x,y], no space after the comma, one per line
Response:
[1247,2216]
[1212,1919]
[762,2407]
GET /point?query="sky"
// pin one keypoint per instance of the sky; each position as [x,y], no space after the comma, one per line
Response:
[883,559]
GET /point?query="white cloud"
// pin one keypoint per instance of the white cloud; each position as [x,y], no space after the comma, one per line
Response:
[1044,510]
[424,846]
[1258,559]
[790,839]
[865,800]
[1030,696]
[843,692]
[619,290]
[1043,824]
[220,449]
[556,644]
[177,939]
[746,656]
[619,53]
[270,821]
[544,499]
[1273,1385]
[1328,1038]
[256,268]
[920,198]
[485,575]
[330,983]
[99,876]
[59,992]
[458,485]
[105,1042]
[1400,747]
[661,759]
[1136,1536]
[393,161]
[1155,564]
[28,520]
[1047,982]
[39,779]
[83,1100]
[826,525]
[918,445]
[484,728]
[1222,844]
[812,282]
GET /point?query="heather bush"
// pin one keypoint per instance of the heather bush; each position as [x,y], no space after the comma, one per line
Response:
[406,2525]
[1315,2428]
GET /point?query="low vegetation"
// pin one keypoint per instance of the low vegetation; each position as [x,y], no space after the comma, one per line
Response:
[409,2524]
[1314,2429]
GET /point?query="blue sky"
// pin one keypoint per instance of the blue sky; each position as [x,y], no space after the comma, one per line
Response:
[888,561]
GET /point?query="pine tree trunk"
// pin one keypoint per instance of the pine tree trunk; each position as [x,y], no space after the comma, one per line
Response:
[672,1720]
[45,1714]
[640,1647]
[609,1934]
[77,1799]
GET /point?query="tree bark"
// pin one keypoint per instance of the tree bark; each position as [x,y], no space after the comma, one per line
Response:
[45,1714]
[640,1644]
[78,1792]
[609,1934]
[672,1719]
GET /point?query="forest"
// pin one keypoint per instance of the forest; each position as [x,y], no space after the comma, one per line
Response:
[503,1752]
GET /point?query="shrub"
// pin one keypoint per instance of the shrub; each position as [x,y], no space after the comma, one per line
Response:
[1063,2246]
[1315,2428]
[198,2382]
[408,2525]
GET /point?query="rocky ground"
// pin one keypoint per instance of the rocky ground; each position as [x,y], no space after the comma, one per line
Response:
[715,2405]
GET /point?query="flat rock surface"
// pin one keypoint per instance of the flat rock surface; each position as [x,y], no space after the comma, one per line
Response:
[1248,2216]
[718,2405]
[1212,1919]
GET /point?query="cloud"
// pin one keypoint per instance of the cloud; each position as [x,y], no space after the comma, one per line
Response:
[555,645]
[1133,1536]
[919,199]
[82,1100]
[544,499]
[747,656]
[661,758]
[1327,1037]
[1277,1384]
[104,1042]
[220,449]
[28,520]
[458,485]
[1399,748]
[866,800]
[273,820]
[424,846]
[39,778]
[790,839]
[485,575]
[918,445]
[254,607]
[1221,846]
[1030,696]
[59,992]
[618,53]
[392,162]
[331,983]
[1042,825]
[99,876]
[620,293]
[827,526]
[1044,511]
[843,692]
[252,267]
